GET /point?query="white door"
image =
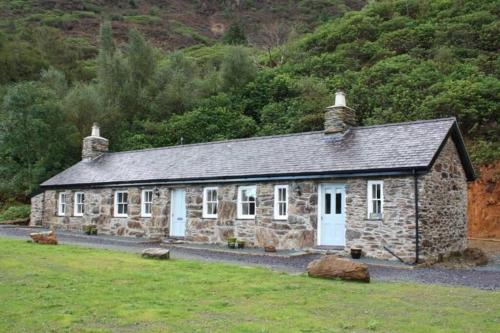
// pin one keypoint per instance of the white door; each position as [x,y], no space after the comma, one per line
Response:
[332,215]
[178,215]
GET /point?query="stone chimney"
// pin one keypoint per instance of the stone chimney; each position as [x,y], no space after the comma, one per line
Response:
[94,145]
[339,117]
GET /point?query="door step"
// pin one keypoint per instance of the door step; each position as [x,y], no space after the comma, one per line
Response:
[174,240]
[328,249]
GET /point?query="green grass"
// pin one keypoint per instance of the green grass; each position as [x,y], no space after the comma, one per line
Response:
[66,288]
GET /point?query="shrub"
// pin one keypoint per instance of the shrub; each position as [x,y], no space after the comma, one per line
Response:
[16,212]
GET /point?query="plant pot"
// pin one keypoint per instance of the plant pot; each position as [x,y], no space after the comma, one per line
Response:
[356,253]
[241,244]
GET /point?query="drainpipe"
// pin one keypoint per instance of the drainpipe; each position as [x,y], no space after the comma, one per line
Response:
[416,216]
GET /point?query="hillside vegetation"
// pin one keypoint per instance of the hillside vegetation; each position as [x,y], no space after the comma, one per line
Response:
[396,60]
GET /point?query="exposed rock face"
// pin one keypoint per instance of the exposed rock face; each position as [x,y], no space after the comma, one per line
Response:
[44,237]
[332,267]
[484,203]
[156,253]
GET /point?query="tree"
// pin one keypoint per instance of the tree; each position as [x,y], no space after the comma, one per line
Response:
[237,69]
[36,140]
[208,124]
[235,35]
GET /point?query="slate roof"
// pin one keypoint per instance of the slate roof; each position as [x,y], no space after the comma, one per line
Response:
[370,149]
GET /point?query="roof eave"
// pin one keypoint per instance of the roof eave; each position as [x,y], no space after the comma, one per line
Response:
[252,178]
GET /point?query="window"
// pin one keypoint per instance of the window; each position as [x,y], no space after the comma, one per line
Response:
[246,202]
[281,202]
[375,199]
[121,204]
[61,207]
[210,202]
[146,203]
[79,203]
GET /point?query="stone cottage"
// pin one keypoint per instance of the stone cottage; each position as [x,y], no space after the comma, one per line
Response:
[396,188]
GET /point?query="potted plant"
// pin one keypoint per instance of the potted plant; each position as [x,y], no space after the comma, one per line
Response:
[231,243]
[241,244]
[90,229]
[356,252]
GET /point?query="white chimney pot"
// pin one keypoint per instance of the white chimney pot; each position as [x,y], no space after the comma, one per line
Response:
[340,98]
[95,130]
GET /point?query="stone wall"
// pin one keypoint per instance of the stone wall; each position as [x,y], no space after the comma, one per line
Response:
[99,210]
[37,209]
[443,205]
[395,230]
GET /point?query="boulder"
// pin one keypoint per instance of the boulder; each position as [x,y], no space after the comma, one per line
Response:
[48,237]
[475,256]
[156,253]
[333,267]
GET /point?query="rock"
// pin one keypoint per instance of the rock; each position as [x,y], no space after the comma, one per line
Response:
[48,237]
[476,256]
[269,248]
[333,267]
[156,253]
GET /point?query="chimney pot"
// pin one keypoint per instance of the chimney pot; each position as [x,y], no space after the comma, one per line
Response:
[340,98]
[95,130]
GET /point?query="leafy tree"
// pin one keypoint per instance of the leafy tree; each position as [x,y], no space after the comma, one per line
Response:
[208,124]
[237,69]
[36,140]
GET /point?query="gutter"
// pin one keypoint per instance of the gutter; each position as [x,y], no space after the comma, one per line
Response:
[417,249]
[248,179]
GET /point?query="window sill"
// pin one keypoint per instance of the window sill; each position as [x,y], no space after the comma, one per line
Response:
[281,218]
[146,216]
[78,215]
[212,217]
[122,216]
[245,217]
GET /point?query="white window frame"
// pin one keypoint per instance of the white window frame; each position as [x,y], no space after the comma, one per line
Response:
[144,203]
[61,204]
[370,197]
[116,204]
[78,204]
[277,202]
[206,202]
[240,203]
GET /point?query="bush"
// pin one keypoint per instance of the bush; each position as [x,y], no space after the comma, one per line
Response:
[16,212]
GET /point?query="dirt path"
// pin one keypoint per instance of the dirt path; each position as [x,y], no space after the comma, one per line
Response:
[487,278]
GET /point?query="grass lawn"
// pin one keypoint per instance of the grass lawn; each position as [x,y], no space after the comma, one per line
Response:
[67,288]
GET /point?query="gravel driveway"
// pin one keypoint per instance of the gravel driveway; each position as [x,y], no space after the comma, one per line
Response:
[483,278]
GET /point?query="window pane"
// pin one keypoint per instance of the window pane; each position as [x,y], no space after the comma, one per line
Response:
[252,208]
[125,198]
[244,196]
[338,203]
[214,209]
[328,203]
[244,208]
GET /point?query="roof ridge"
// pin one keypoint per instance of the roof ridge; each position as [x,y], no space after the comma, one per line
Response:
[407,123]
[253,138]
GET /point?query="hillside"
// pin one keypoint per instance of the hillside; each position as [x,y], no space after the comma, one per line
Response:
[171,24]
[397,61]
